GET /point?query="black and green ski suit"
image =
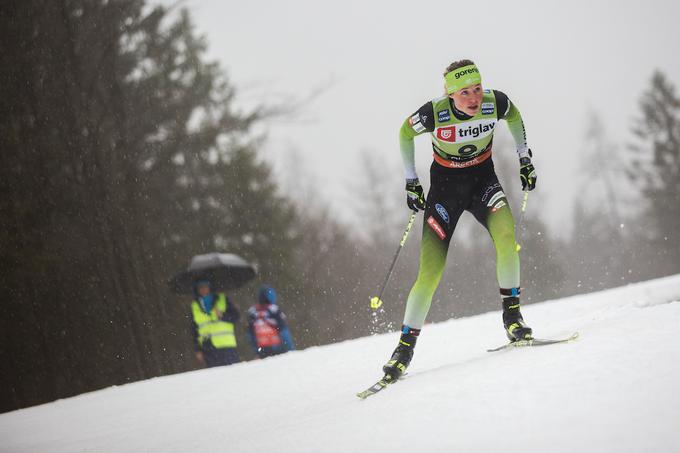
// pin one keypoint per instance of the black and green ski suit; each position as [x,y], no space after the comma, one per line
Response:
[462,179]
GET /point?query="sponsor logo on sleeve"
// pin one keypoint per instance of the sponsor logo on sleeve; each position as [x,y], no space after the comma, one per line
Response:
[436,227]
[441,210]
[444,115]
[415,123]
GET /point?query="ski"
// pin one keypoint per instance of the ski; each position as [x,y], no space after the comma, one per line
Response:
[387,380]
[375,388]
[533,342]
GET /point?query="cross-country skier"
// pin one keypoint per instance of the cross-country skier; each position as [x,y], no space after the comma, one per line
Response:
[461,124]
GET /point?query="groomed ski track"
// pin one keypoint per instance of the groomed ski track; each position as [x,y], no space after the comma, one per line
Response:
[615,389]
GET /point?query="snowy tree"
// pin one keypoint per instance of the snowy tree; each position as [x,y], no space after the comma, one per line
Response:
[656,173]
[122,156]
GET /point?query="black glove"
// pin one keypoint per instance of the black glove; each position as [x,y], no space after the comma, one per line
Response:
[414,195]
[527,174]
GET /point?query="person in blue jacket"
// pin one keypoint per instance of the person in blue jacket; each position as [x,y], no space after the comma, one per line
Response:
[267,327]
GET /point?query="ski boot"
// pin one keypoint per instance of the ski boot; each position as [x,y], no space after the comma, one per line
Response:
[515,328]
[402,355]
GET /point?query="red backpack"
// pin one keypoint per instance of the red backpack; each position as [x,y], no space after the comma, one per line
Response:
[266,333]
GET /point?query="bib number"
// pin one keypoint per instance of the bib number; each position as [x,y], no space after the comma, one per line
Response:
[467,150]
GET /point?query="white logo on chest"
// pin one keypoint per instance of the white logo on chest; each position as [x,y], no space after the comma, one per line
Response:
[465,132]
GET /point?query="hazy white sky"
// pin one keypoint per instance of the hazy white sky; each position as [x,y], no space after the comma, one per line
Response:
[379,61]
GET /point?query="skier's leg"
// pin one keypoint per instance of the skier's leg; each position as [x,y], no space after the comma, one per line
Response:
[494,213]
[501,227]
[433,251]
[437,230]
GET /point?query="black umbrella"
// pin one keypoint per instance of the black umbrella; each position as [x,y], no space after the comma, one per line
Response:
[225,271]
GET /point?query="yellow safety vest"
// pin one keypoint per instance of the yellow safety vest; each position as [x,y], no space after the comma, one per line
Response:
[209,326]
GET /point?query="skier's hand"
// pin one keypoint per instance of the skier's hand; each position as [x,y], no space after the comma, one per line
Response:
[527,174]
[200,357]
[414,195]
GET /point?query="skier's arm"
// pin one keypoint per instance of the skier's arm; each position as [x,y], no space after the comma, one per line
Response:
[420,122]
[510,113]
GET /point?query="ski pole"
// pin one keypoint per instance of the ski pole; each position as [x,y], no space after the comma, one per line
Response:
[376,302]
[521,217]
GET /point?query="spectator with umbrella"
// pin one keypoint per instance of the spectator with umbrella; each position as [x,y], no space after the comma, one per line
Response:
[213,314]
[213,318]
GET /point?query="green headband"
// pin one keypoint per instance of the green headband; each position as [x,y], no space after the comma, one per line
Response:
[462,77]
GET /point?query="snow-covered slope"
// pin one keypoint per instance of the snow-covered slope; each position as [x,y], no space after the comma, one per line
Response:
[613,390]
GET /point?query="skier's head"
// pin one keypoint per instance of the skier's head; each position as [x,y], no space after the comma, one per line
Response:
[463,84]
[266,295]
[202,288]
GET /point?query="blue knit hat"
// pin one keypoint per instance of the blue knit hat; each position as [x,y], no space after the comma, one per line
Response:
[266,295]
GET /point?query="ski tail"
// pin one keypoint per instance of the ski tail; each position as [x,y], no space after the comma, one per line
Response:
[534,342]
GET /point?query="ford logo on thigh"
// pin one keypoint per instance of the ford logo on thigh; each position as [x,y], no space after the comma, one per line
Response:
[442,212]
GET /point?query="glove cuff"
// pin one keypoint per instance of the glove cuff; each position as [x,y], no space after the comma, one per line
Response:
[412,181]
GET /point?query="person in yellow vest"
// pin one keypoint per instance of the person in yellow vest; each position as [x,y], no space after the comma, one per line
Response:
[213,319]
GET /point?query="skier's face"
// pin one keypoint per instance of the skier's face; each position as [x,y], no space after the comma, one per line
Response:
[469,99]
